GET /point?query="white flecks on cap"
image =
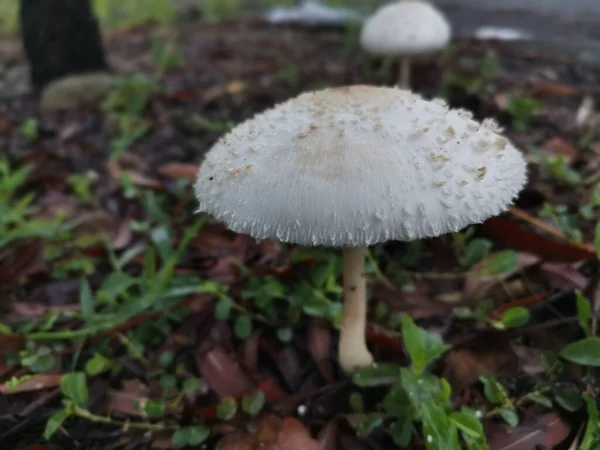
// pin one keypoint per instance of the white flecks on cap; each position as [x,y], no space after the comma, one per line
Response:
[358,165]
[405,28]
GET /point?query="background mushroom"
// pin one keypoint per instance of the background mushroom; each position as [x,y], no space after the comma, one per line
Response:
[353,166]
[405,28]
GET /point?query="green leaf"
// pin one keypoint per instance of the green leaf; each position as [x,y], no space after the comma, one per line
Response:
[584,312]
[316,306]
[155,408]
[369,423]
[377,375]
[190,436]
[86,299]
[420,388]
[285,334]
[540,399]
[168,382]
[115,285]
[515,317]
[585,352]
[97,365]
[493,390]
[510,416]
[252,404]
[243,327]
[468,423]
[74,386]
[223,308]
[569,399]
[423,347]
[475,251]
[438,431]
[503,262]
[227,408]
[54,423]
[191,385]
[590,439]
[402,433]
[357,402]
[165,358]
[161,238]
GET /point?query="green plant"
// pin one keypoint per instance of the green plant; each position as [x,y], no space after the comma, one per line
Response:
[417,399]
[558,167]
[564,219]
[16,209]
[165,57]
[29,128]
[474,75]
[215,10]
[522,110]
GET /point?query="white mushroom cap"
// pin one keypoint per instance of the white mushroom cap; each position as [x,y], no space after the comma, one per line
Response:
[358,165]
[405,28]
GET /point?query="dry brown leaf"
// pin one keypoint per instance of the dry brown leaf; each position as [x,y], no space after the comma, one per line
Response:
[232,88]
[532,242]
[328,436]
[179,170]
[554,89]
[10,343]
[19,260]
[477,286]
[564,276]
[561,147]
[295,436]
[32,384]
[137,178]
[38,310]
[543,431]
[490,354]
[223,374]
[124,401]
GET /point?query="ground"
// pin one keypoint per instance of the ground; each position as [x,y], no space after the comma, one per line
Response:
[129,322]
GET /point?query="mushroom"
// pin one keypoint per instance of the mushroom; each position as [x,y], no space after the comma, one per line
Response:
[408,27]
[353,166]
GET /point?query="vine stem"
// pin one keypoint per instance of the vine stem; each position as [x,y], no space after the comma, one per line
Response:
[125,425]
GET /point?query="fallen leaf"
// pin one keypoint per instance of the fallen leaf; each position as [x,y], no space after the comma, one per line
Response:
[223,374]
[137,178]
[10,343]
[258,434]
[543,431]
[320,344]
[489,354]
[19,260]
[561,147]
[295,436]
[124,400]
[564,276]
[554,89]
[32,384]
[328,436]
[532,242]
[39,310]
[477,285]
[179,170]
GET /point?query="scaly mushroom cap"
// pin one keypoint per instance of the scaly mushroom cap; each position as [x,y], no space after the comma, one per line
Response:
[358,165]
[405,28]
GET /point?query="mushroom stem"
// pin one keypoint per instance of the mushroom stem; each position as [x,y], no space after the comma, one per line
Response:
[404,73]
[352,349]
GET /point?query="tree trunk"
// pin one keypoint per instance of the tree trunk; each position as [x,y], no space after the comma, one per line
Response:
[61,37]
